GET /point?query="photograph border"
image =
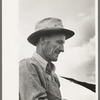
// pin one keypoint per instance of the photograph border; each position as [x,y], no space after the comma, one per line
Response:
[0,49]
[98,50]
[98,22]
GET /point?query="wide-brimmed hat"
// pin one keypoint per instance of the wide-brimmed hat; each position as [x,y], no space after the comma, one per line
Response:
[49,26]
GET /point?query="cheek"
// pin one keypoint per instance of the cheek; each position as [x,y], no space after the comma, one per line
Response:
[55,47]
[48,48]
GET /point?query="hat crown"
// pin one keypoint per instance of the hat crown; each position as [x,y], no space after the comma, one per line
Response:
[49,26]
[48,23]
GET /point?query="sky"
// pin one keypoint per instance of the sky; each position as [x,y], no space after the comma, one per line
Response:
[79,58]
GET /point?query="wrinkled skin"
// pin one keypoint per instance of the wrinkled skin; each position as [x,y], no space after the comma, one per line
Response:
[52,46]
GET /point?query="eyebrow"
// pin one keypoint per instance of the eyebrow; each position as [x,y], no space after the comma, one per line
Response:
[61,41]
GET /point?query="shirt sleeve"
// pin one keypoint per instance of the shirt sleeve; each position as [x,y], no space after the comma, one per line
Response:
[30,87]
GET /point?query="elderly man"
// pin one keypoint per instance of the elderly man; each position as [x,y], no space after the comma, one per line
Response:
[37,78]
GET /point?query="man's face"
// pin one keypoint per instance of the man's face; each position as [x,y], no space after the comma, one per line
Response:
[52,47]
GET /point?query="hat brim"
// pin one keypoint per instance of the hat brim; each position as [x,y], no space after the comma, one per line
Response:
[33,38]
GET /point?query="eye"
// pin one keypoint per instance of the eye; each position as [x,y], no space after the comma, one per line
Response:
[60,42]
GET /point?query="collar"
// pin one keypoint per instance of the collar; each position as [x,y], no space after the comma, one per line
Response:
[40,60]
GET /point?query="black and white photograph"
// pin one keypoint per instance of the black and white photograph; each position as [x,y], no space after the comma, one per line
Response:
[55,50]
[76,65]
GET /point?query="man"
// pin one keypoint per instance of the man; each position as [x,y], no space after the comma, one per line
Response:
[37,78]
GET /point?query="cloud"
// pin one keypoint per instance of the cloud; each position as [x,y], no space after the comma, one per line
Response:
[84,31]
[87,27]
[84,27]
[78,62]
[86,71]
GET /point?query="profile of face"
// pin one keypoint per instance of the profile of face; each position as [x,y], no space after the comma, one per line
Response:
[52,46]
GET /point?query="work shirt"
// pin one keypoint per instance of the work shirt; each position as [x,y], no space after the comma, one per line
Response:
[35,83]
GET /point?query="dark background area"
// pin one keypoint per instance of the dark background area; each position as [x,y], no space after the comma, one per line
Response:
[0,49]
[98,50]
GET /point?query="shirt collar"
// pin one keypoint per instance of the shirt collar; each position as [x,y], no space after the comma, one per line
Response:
[40,60]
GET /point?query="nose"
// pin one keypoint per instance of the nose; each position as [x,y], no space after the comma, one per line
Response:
[61,48]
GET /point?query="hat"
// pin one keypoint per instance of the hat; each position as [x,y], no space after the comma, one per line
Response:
[48,26]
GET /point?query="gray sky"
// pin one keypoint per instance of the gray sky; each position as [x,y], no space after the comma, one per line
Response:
[78,60]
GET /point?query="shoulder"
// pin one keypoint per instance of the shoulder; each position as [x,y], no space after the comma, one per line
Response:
[23,65]
[23,61]
[27,66]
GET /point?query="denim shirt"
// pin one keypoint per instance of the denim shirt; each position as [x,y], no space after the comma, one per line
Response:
[35,83]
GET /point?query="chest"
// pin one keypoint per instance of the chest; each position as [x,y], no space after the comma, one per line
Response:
[48,81]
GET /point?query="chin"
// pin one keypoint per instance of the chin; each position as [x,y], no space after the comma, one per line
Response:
[54,59]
